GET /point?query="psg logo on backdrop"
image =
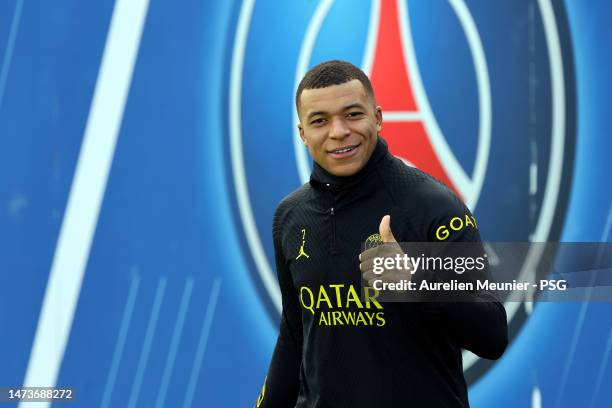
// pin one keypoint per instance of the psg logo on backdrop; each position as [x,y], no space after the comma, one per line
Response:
[482,98]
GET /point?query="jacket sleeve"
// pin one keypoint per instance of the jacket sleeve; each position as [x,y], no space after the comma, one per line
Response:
[281,386]
[476,321]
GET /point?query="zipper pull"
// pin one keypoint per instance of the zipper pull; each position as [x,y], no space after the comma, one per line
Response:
[334,248]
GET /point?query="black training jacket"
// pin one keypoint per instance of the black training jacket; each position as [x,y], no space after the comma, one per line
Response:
[369,354]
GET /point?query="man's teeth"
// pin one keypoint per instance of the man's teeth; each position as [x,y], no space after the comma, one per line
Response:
[346,149]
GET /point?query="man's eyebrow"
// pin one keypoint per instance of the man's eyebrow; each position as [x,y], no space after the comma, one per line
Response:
[353,105]
[315,113]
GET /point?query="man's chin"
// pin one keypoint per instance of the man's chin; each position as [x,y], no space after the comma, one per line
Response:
[345,170]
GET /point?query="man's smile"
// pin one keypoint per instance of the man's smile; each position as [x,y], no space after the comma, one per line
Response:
[345,151]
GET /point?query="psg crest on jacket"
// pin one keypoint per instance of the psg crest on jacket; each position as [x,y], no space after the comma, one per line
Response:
[481,96]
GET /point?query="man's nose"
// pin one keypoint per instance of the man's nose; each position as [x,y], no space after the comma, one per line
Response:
[338,129]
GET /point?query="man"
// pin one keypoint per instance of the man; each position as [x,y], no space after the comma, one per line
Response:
[337,348]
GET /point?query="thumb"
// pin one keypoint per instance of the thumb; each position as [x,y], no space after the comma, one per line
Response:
[385,230]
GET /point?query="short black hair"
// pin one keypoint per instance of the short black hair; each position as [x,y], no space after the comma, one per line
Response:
[333,72]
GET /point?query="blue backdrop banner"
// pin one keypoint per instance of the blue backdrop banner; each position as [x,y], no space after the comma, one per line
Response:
[144,146]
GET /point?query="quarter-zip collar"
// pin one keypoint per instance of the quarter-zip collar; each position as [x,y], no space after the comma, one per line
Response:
[321,178]
[338,192]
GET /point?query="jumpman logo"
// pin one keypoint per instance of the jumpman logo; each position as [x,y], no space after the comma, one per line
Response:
[302,252]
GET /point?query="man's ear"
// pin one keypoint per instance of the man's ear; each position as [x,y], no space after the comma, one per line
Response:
[301,130]
[379,118]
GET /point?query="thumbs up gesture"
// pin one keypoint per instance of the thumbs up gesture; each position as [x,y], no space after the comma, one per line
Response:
[370,264]
[385,230]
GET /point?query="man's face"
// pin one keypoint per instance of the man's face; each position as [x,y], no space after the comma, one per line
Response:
[339,125]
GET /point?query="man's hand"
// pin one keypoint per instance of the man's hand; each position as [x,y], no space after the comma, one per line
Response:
[389,249]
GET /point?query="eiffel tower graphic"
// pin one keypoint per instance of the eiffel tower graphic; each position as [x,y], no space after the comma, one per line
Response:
[409,126]
[302,252]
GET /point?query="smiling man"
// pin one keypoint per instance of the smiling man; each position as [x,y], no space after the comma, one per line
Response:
[339,346]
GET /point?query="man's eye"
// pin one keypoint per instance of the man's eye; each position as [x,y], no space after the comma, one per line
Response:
[354,114]
[317,121]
